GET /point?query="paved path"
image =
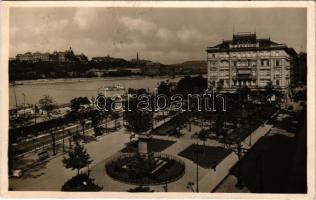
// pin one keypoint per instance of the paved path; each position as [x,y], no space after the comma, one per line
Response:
[228,185]
[51,176]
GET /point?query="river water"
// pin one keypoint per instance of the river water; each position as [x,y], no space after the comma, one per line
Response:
[62,91]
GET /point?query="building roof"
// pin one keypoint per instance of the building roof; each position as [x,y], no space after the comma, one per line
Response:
[246,41]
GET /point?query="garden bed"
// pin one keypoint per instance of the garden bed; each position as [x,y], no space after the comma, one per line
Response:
[154,170]
[209,157]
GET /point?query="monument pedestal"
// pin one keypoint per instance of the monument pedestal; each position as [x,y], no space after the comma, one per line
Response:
[144,144]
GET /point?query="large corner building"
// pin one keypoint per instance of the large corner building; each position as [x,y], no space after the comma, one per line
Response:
[248,61]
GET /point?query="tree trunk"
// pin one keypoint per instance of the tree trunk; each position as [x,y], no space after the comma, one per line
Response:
[84,138]
[53,142]
[63,139]
[106,125]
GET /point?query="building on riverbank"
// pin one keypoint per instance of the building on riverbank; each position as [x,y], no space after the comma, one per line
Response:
[67,56]
[248,61]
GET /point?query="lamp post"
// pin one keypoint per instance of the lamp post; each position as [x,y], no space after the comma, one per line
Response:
[237,148]
[83,122]
[23,104]
[197,171]
[63,138]
[196,153]
[16,102]
[35,113]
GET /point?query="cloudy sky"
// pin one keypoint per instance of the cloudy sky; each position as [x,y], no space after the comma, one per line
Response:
[166,35]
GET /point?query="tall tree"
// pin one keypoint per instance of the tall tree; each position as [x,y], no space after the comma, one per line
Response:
[269,90]
[96,118]
[77,159]
[115,116]
[47,104]
[77,104]
[79,109]
[138,121]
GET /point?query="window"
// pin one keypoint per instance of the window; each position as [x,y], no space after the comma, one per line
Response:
[277,72]
[277,63]
[277,82]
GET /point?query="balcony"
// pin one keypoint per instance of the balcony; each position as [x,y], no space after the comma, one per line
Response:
[265,67]
[244,77]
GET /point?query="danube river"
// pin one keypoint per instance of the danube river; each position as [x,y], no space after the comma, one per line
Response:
[63,90]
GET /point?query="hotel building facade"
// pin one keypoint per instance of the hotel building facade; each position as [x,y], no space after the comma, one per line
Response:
[248,61]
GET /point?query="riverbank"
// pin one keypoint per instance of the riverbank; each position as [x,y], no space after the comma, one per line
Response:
[63,90]
[74,80]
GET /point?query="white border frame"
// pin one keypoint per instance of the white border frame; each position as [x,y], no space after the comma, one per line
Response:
[4,97]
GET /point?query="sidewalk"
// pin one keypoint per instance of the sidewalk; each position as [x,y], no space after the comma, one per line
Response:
[52,175]
[228,184]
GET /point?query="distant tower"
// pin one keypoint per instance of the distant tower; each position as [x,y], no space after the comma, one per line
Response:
[137,58]
[70,50]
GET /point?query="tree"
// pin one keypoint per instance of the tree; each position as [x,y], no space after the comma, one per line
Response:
[79,110]
[165,87]
[191,85]
[36,111]
[76,104]
[269,90]
[83,124]
[96,117]
[78,158]
[203,135]
[115,116]
[138,121]
[47,104]
[243,93]
[220,85]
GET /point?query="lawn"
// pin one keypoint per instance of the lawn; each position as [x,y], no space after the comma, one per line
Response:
[209,157]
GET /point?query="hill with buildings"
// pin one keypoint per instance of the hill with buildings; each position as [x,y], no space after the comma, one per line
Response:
[67,64]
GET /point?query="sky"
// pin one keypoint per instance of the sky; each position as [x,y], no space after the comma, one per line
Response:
[165,35]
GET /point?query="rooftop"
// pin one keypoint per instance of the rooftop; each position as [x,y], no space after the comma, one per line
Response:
[246,40]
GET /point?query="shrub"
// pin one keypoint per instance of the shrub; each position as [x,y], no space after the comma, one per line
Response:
[80,183]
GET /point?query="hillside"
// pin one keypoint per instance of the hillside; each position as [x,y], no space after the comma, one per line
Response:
[190,64]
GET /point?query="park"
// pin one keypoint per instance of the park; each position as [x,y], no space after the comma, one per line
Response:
[142,150]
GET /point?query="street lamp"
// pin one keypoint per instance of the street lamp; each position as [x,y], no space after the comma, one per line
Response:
[83,123]
[196,152]
[23,103]
[16,102]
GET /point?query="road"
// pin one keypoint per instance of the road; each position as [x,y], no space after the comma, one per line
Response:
[44,140]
